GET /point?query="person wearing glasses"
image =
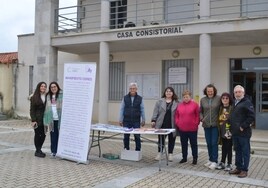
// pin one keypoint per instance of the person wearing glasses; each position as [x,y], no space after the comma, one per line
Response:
[132,115]
[37,108]
[225,132]
[52,115]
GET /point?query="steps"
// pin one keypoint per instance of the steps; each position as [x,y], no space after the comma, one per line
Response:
[3,117]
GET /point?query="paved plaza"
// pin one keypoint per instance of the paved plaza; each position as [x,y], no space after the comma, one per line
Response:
[20,168]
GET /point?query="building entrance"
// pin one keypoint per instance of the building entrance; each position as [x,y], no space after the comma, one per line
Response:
[252,74]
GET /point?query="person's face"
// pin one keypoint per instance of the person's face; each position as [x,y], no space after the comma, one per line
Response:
[43,88]
[133,90]
[168,93]
[54,88]
[210,92]
[238,93]
[186,98]
[225,100]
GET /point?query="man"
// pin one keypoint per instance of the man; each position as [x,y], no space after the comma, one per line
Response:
[241,120]
[131,112]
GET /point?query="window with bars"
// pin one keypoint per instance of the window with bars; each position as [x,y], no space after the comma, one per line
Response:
[116,80]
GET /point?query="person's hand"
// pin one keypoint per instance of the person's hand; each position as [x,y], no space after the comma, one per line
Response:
[121,123]
[34,124]
[142,123]
[153,124]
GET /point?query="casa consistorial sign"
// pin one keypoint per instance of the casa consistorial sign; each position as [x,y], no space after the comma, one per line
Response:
[163,31]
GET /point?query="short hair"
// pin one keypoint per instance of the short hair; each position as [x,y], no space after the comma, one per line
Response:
[133,84]
[240,88]
[210,86]
[186,92]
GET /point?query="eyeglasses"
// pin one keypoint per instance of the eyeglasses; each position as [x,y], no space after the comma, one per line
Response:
[224,98]
[53,86]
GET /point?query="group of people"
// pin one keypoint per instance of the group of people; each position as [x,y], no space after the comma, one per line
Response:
[226,119]
[45,112]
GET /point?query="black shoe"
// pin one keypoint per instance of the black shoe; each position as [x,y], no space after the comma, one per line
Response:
[183,161]
[40,154]
[194,161]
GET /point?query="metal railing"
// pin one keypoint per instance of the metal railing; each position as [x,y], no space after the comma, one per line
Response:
[139,13]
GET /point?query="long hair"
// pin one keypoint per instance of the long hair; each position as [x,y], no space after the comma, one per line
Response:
[36,98]
[50,92]
[174,96]
[210,86]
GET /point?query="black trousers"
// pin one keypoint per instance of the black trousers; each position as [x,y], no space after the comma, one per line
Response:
[171,142]
[227,150]
[39,137]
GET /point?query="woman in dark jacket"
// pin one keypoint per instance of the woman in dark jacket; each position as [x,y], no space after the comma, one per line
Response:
[37,108]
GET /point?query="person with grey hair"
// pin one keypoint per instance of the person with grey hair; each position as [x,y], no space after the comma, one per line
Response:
[241,119]
[132,114]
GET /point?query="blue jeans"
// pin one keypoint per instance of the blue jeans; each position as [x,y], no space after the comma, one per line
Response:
[136,136]
[192,136]
[54,137]
[211,135]
[242,152]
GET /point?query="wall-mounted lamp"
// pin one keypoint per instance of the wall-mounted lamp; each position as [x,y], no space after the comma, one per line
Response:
[175,53]
[111,57]
[256,50]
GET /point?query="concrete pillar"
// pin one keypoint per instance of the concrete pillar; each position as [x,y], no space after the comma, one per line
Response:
[105,14]
[45,56]
[204,62]
[104,82]
[204,9]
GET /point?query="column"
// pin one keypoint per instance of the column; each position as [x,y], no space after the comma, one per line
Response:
[45,56]
[105,14]
[104,82]
[204,9]
[204,62]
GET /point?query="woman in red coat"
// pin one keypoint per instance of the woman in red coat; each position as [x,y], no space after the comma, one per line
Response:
[187,120]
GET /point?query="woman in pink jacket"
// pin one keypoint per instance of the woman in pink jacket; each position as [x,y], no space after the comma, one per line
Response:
[187,121]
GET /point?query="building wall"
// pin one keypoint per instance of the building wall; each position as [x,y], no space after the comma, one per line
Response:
[6,87]
[137,62]
[26,59]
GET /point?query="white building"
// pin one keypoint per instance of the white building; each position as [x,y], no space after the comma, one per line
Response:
[186,44]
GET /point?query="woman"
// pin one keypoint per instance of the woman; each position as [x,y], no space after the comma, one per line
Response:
[225,134]
[209,115]
[52,115]
[163,117]
[37,108]
[187,121]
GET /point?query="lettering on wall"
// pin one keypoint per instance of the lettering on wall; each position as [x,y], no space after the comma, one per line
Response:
[149,32]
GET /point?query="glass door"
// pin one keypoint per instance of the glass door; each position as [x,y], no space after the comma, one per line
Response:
[262,101]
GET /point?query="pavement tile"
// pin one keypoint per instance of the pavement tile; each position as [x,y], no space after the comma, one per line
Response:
[20,168]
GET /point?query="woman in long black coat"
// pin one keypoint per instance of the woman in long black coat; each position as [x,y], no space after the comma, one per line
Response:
[37,108]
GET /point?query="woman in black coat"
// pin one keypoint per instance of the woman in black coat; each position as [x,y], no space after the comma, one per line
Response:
[37,108]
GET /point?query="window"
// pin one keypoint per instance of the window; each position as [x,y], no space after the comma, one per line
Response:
[118,14]
[31,79]
[116,80]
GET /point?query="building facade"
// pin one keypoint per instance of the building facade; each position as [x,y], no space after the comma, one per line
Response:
[185,44]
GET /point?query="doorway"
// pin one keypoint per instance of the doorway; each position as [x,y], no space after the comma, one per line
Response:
[252,74]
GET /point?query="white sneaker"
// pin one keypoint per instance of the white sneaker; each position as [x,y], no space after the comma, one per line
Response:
[213,166]
[158,157]
[207,164]
[170,157]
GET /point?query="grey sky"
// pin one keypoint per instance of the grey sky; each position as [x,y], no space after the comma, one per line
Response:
[17,18]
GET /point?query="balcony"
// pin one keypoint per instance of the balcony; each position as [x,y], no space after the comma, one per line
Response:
[143,13]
